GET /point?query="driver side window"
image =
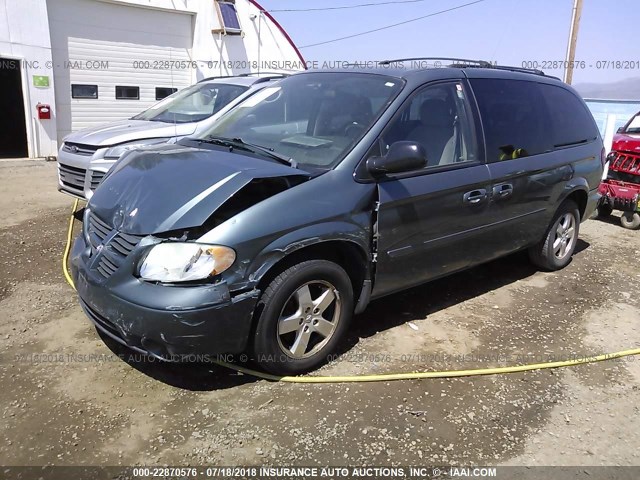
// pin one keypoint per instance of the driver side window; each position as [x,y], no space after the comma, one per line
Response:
[437,117]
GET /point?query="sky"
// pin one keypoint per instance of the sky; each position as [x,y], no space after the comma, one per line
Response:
[507,31]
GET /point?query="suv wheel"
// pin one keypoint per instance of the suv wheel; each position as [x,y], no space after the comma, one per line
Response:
[630,220]
[554,251]
[304,313]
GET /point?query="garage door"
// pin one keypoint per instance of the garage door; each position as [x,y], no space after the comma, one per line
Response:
[111,61]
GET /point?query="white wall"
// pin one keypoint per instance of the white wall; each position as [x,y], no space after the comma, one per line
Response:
[122,34]
[24,34]
[262,46]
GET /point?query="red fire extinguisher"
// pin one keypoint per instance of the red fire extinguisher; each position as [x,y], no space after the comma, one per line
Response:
[44,111]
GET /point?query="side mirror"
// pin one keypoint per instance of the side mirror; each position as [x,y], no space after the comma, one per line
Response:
[401,157]
[621,130]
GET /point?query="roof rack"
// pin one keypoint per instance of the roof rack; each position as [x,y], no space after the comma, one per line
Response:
[269,76]
[515,69]
[464,61]
[274,74]
[467,63]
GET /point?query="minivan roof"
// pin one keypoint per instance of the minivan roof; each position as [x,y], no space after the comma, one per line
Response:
[428,66]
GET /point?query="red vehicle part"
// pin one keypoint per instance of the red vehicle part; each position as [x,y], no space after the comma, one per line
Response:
[621,189]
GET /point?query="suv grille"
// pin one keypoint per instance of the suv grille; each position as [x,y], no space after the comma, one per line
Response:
[96,178]
[72,177]
[117,248]
[626,163]
[78,149]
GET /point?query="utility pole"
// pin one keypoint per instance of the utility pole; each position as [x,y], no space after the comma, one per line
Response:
[573,40]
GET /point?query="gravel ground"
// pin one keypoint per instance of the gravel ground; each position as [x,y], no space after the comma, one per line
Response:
[67,397]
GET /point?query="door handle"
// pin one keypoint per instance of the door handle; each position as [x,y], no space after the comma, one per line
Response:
[475,196]
[503,191]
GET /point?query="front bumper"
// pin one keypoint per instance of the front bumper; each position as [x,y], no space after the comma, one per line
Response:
[621,195]
[80,173]
[168,322]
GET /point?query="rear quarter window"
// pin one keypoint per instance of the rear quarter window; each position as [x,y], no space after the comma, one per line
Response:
[571,121]
[514,118]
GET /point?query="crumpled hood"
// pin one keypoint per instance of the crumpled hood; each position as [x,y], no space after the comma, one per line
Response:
[128,131]
[172,187]
[626,142]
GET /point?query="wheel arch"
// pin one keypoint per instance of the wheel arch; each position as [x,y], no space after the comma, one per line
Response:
[580,195]
[350,255]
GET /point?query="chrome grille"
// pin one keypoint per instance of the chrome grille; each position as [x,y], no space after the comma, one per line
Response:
[79,149]
[116,246]
[96,178]
[627,163]
[72,177]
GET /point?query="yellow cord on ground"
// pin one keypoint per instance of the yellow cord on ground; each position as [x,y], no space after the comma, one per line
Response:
[385,377]
[67,248]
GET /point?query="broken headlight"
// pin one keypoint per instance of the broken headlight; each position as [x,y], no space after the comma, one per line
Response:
[185,262]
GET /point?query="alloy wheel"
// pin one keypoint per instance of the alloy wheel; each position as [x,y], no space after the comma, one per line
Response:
[565,237]
[309,319]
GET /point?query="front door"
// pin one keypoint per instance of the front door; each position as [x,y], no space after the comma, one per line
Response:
[428,221]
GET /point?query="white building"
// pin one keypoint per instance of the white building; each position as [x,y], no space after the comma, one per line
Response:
[95,61]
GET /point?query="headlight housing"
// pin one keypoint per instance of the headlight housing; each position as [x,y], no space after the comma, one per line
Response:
[116,152]
[184,262]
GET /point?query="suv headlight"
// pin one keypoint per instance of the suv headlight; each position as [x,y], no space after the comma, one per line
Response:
[184,262]
[116,152]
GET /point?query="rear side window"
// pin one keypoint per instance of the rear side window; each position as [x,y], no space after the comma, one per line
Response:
[571,122]
[514,118]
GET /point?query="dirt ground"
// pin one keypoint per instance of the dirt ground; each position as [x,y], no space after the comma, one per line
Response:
[68,398]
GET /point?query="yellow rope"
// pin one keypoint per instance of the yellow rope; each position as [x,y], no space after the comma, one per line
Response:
[385,377]
[67,248]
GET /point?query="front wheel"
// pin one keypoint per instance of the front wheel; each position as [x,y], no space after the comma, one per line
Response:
[554,251]
[630,220]
[305,311]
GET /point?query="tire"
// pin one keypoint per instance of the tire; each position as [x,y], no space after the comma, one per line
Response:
[296,331]
[630,220]
[554,251]
[604,210]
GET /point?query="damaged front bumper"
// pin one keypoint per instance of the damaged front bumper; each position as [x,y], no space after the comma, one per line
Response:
[166,321]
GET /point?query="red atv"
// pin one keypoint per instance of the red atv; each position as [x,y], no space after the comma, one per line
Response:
[621,189]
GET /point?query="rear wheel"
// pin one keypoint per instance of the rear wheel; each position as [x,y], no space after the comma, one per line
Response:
[304,313]
[554,251]
[630,220]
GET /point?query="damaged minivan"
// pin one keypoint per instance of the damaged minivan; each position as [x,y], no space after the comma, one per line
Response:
[268,232]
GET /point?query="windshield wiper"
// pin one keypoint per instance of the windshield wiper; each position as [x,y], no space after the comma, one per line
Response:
[232,143]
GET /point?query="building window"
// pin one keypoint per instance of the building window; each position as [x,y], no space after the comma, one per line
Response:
[228,16]
[164,92]
[127,93]
[84,91]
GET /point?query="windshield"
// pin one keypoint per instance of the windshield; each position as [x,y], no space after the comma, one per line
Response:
[634,125]
[313,119]
[193,104]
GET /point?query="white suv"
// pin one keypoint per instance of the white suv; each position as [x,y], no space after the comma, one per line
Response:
[87,155]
